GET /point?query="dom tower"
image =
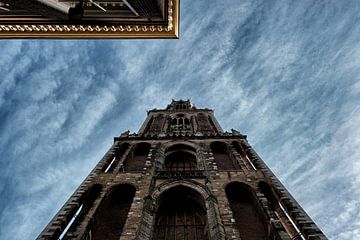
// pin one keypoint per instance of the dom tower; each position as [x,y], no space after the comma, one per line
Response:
[181,178]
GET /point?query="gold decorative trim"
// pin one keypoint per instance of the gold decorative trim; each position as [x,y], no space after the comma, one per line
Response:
[96,31]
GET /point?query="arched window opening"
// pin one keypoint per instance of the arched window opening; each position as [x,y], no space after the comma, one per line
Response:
[250,158]
[116,158]
[136,160]
[112,213]
[222,156]
[238,149]
[204,124]
[180,157]
[245,159]
[266,190]
[212,124]
[279,210]
[78,214]
[180,161]
[181,215]
[157,124]
[187,121]
[178,147]
[180,123]
[148,125]
[245,213]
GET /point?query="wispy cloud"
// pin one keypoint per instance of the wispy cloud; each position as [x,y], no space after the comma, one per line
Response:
[286,74]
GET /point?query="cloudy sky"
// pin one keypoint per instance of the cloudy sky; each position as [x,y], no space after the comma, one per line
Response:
[286,73]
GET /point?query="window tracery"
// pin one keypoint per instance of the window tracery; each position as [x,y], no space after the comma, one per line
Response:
[181,216]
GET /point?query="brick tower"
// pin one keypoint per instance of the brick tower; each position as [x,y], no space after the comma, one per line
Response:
[181,177]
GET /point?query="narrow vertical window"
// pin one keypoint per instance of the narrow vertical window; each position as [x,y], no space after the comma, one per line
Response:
[245,213]
[78,215]
[116,158]
[136,160]
[204,124]
[112,214]
[243,156]
[222,156]
[279,210]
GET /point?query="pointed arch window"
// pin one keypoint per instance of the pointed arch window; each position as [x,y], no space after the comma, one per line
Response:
[180,123]
[112,213]
[114,160]
[78,214]
[181,216]
[180,157]
[247,218]
[136,160]
[222,156]
[180,161]
[276,207]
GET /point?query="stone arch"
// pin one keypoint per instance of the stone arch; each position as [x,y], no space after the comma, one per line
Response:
[242,200]
[180,161]
[186,183]
[185,146]
[181,214]
[180,157]
[222,156]
[266,189]
[78,214]
[111,215]
[114,160]
[215,228]
[180,146]
[239,149]
[157,123]
[136,160]
[188,144]
[276,211]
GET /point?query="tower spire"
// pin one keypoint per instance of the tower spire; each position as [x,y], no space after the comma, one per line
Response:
[181,177]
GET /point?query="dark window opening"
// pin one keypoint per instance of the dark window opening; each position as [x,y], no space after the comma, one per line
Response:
[112,213]
[243,156]
[114,160]
[136,160]
[180,161]
[275,206]
[180,157]
[179,147]
[238,149]
[147,128]
[181,216]
[180,123]
[157,124]
[245,213]
[77,216]
[204,124]
[222,156]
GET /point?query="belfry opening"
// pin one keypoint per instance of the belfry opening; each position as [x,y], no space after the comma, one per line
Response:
[181,215]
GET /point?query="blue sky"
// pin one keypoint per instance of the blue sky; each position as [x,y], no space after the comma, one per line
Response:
[286,73]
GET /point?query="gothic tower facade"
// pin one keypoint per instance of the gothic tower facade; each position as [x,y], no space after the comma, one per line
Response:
[181,178]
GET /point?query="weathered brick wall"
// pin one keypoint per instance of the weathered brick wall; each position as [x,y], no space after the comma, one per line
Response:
[210,184]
